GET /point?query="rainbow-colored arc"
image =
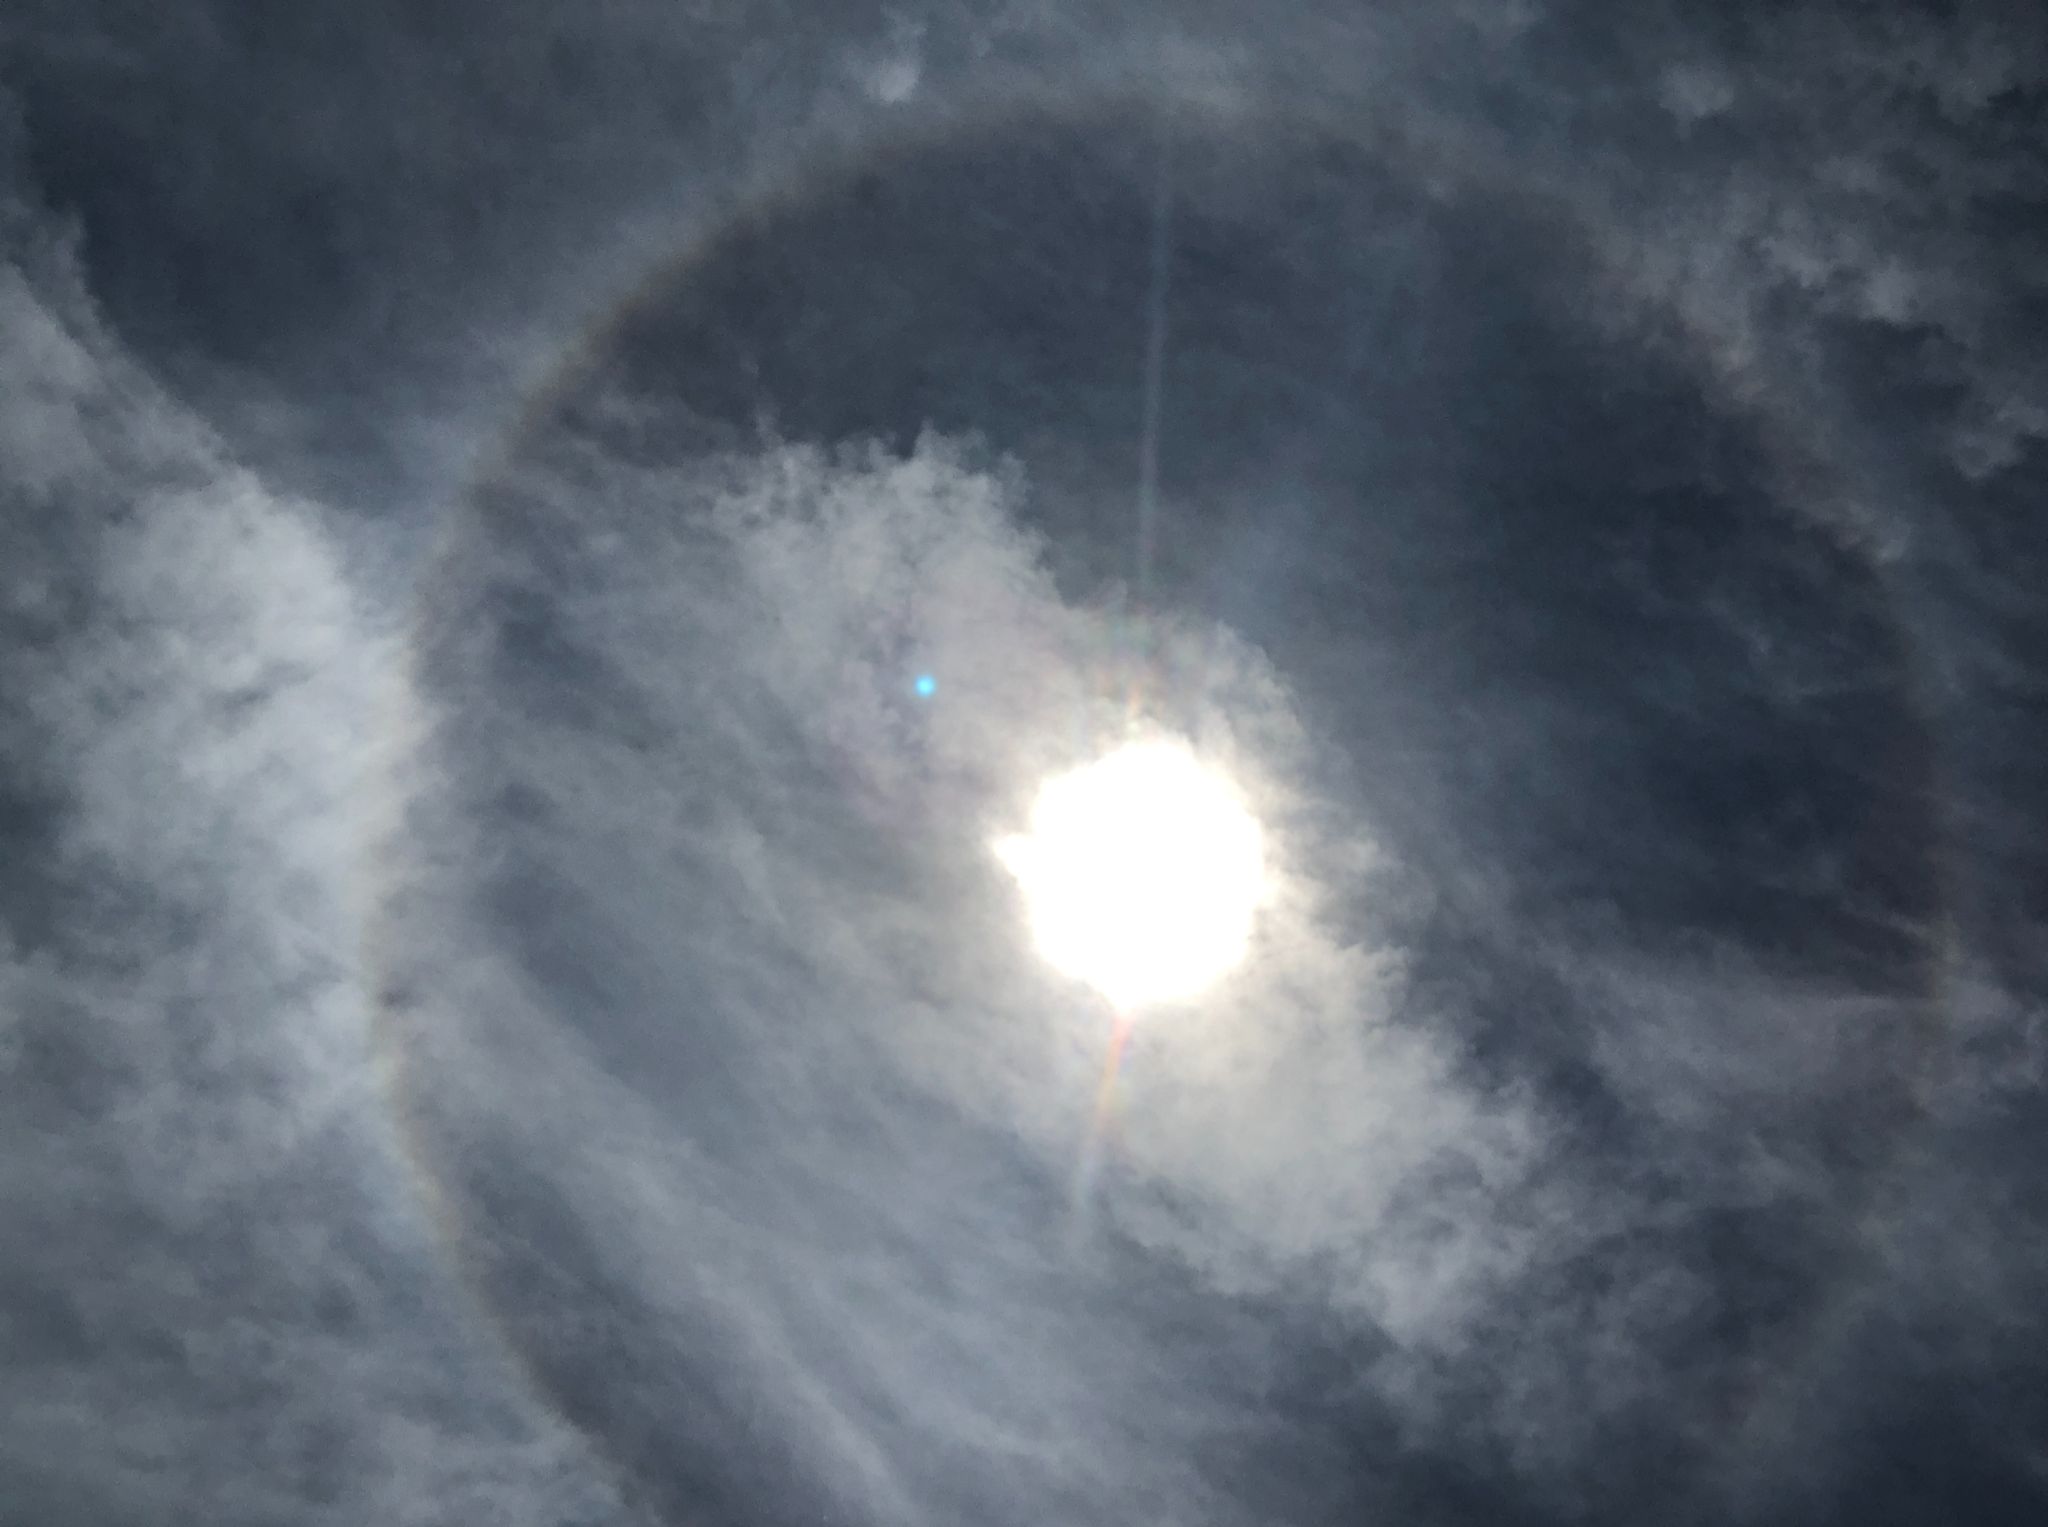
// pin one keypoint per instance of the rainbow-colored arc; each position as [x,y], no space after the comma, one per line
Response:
[1102,1121]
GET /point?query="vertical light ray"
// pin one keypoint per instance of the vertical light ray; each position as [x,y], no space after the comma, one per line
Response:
[1101,1122]
[1155,365]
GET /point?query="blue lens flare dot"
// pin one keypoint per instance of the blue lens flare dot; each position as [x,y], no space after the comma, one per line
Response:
[925,685]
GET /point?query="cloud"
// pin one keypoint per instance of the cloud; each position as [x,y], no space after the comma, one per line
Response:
[753,1121]
[700,900]
[1902,206]
[777,951]
[218,1299]
[702,941]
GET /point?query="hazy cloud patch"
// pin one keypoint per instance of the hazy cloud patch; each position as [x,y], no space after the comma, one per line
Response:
[219,1299]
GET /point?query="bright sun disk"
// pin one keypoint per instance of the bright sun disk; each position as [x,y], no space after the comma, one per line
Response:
[1141,874]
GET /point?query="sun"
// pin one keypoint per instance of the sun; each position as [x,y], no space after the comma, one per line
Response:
[1142,874]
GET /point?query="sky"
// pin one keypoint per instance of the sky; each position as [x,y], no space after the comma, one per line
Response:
[509,1007]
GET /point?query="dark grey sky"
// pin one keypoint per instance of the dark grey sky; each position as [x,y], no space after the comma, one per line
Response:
[507,1009]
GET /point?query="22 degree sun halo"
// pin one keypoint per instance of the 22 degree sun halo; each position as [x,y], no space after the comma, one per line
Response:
[1141,874]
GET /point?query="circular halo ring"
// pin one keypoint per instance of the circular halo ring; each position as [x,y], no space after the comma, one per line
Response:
[1808,477]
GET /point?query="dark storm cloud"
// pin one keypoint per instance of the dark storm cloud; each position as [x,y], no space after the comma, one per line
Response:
[1600,460]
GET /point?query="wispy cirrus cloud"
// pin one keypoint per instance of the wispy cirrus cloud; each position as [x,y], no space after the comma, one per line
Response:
[220,1299]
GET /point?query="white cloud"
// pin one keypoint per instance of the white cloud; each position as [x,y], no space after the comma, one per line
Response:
[751,833]
[770,866]
[219,1301]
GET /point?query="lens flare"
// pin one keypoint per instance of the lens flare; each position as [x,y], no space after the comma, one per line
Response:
[1142,873]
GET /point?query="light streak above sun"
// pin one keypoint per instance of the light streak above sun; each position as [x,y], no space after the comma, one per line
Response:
[1142,874]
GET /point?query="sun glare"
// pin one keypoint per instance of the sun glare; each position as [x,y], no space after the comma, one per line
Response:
[1141,874]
